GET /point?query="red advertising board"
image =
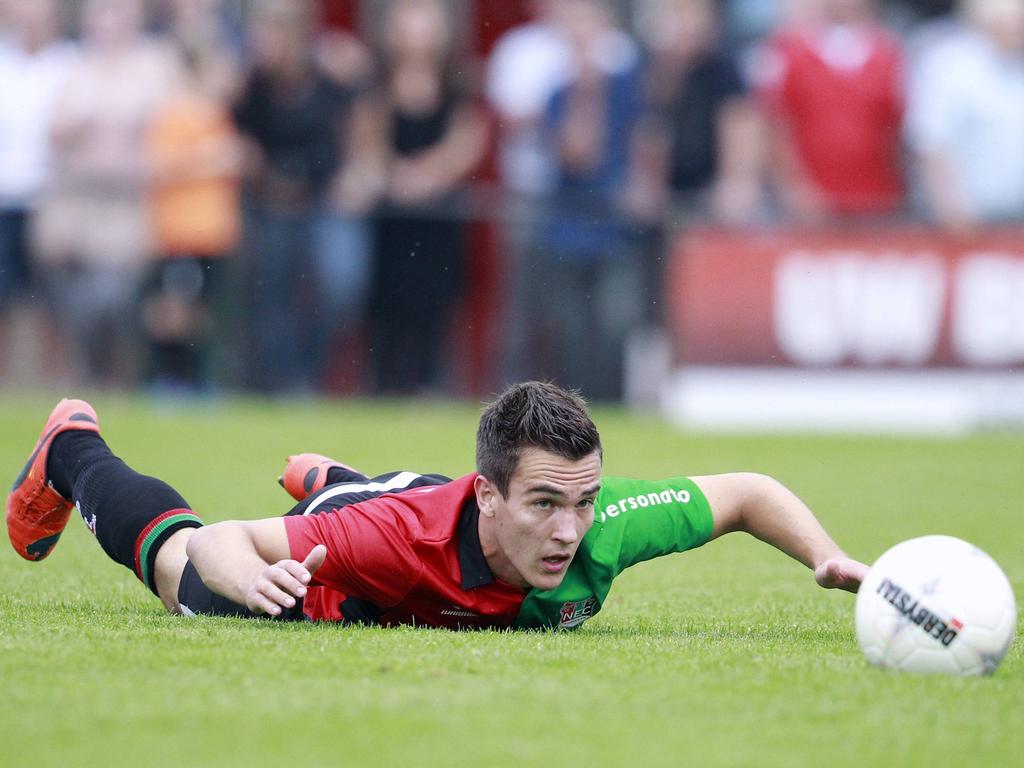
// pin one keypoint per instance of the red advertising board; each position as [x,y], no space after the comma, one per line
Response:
[896,297]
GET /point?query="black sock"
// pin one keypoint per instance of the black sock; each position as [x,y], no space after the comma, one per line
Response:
[131,515]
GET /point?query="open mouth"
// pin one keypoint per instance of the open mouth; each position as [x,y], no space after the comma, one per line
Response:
[555,563]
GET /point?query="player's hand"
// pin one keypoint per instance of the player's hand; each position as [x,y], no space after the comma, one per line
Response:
[279,585]
[841,573]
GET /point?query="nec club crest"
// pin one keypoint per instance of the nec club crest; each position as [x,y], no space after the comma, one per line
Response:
[575,612]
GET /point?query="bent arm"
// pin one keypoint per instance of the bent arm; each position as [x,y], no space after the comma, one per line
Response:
[249,563]
[766,509]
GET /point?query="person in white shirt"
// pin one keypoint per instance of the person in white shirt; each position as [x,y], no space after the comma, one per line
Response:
[91,234]
[34,62]
[965,121]
[528,63]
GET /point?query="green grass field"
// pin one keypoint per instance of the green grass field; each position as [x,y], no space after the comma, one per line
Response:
[728,655]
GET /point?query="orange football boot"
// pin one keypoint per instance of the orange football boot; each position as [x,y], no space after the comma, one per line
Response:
[306,473]
[36,513]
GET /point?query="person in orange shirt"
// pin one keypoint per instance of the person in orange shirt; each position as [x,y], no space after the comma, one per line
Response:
[195,159]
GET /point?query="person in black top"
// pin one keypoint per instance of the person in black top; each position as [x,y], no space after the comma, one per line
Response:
[699,104]
[432,138]
[306,240]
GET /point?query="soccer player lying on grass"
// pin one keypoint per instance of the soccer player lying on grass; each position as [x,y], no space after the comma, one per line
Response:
[534,539]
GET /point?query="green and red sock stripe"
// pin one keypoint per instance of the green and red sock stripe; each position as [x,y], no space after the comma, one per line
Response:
[154,534]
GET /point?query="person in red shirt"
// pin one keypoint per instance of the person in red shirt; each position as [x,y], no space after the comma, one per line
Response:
[832,85]
[533,539]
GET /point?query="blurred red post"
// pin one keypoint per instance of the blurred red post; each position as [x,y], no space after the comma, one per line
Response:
[341,14]
[481,323]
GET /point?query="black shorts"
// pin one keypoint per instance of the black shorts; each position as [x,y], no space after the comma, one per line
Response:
[195,598]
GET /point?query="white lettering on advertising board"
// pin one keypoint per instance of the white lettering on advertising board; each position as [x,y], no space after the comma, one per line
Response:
[988,309]
[850,306]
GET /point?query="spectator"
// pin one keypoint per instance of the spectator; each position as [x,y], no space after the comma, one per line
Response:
[93,224]
[434,138]
[585,280]
[209,31]
[832,83]
[528,64]
[195,157]
[33,64]
[305,234]
[965,120]
[699,102]
[748,22]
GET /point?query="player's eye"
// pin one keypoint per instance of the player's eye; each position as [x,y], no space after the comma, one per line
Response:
[543,504]
[585,503]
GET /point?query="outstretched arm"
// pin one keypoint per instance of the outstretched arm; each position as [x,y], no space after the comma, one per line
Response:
[249,562]
[765,508]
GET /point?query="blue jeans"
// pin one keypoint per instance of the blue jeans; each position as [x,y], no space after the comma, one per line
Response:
[309,273]
[14,274]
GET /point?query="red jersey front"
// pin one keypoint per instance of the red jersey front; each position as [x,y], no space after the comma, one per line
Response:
[409,558]
[840,93]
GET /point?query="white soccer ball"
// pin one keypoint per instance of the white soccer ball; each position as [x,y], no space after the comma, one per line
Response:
[936,604]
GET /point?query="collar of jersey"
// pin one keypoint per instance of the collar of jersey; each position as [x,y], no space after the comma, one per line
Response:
[472,563]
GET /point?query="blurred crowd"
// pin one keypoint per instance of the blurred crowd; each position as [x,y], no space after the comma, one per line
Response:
[196,193]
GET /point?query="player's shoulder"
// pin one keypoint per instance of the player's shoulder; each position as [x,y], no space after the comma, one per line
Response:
[411,514]
[620,495]
[434,508]
[617,487]
[439,494]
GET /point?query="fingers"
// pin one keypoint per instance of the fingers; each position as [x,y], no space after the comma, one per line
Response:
[315,558]
[825,574]
[279,585]
[277,588]
[299,573]
[856,573]
[844,573]
[266,601]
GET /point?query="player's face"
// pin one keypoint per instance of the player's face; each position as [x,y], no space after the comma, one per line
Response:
[530,537]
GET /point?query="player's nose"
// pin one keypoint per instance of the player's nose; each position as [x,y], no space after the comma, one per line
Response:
[565,531]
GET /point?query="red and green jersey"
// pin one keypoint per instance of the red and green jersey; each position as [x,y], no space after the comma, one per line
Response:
[414,557]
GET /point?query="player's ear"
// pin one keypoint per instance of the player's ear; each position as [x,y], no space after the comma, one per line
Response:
[485,493]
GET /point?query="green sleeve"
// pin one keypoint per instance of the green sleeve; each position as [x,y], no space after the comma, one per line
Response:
[648,518]
[634,520]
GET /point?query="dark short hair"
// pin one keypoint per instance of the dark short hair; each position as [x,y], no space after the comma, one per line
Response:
[534,414]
